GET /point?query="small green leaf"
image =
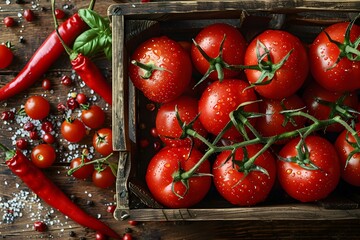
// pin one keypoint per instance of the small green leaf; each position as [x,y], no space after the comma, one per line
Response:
[88,43]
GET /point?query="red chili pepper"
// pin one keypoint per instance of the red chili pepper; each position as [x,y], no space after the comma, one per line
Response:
[44,57]
[41,185]
[92,76]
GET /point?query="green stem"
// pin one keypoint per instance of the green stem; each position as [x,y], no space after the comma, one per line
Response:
[92,4]
[100,160]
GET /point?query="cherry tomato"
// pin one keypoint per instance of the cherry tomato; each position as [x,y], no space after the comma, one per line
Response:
[9,22]
[170,73]
[309,185]
[93,116]
[350,169]
[37,107]
[102,141]
[6,56]
[104,178]
[29,15]
[209,40]
[314,94]
[237,187]
[85,171]
[221,98]
[43,155]
[167,125]
[290,76]
[73,130]
[272,123]
[81,98]
[165,166]
[330,66]
[48,138]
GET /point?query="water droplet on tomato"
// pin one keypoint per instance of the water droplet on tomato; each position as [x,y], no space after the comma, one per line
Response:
[289,171]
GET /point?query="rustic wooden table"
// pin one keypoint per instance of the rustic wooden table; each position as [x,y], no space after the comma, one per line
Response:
[19,208]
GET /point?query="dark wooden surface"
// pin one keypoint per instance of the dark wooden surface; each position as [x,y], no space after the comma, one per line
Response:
[33,209]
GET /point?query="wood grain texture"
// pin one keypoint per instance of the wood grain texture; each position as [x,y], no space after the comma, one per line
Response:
[84,191]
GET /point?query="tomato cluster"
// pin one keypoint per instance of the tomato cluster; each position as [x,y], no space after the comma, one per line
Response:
[249,113]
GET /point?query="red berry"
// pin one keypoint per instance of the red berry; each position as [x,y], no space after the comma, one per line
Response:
[59,14]
[47,126]
[127,236]
[29,126]
[21,143]
[72,103]
[100,236]
[61,107]
[34,135]
[133,223]
[46,84]
[48,138]
[29,15]
[40,226]
[111,208]
[7,115]
[9,21]
[66,80]
[154,132]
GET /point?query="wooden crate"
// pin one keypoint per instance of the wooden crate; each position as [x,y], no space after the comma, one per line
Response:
[135,22]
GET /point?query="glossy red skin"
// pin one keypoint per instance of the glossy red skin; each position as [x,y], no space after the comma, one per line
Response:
[309,185]
[43,155]
[221,98]
[85,171]
[322,112]
[167,125]
[159,177]
[350,173]
[272,123]
[291,76]
[104,178]
[37,107]
[6,56]
[163,85]
[94,117]
[323,55]
[209,39]
[73,131]
[252,189]
[102,141]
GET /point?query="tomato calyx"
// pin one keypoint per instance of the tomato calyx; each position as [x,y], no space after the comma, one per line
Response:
[148,68]
[347,49]
[216,64]
[265,64]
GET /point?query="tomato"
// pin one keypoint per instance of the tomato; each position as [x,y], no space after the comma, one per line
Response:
[73,130]
[290,76]
[43,155]
[6,56]
[168,163]
[37,107]
[238,188]
[272,123]
[350,170]
[309,185]
[221,98]
[314,93]
[102,141]
[209,40]
[324,57]
[170,69]
[103,178]
[167,125]
[83,172]
[92,116]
